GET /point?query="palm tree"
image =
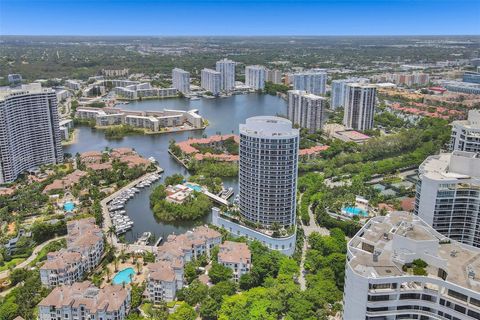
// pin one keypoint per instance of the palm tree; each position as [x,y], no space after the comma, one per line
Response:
[139,267]
[108,274]
[110,232]
[115,261]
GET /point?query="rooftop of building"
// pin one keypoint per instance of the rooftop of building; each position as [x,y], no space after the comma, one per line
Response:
[451,166]
[109,298]
[6,92]
[473,121]
[269,126]
[234,252]
[385,244]
[161,271]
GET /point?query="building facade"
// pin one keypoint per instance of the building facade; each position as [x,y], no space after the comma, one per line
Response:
[448,195]
[313,81]
[82,300]
[398,267]
[359,106]
[226,68]
[306,110]
[466,133]
[274,76]
[236,256]
[211,81]
[268,171]
[29,130]
[339,91]
[181,80]
[255,77]
[472,77]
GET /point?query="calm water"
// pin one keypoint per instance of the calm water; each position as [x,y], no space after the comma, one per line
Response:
[224,116]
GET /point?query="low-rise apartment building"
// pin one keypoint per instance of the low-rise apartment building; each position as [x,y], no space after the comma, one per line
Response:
[236,256]
[82,300]
[83,253]
[398,267]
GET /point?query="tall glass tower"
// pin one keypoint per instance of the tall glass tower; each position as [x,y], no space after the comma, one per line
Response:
[268,171]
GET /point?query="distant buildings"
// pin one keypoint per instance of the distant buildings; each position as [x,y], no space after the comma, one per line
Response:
[112,73]
[73,85]
[151,120]
[404,79]
[14,78]
[339,91]
[211,81]
[313,81]
[236,256]
[29,130]
[398,267]
[466,133]
[306,110]
[181,80]
[462,87]
[448,195]
[227,74]
[274,76]
[82,300]
[359,106]
[255,77]
[472,77]
[83,253]
[144,90]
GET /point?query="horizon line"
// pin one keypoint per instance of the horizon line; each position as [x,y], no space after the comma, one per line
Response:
[239,35]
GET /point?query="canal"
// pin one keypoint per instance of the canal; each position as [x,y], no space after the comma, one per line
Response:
[224,116]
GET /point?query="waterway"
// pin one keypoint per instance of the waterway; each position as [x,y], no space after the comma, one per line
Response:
[224,116]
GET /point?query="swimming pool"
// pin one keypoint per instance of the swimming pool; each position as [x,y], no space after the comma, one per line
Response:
[354,211]
[194,187]
[68,206]
[124,276]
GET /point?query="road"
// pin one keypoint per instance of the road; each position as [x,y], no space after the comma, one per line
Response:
[308,230]
[32,257]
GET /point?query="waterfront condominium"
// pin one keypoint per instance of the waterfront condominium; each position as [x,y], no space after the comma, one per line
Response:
[181,80]
[255,77]
[29,130]
[306,110]
[466,133]
[359,106]
[448,195]
[268,171]
[339,90]
[313,81]
[211,81]
[398,267]
[227,74]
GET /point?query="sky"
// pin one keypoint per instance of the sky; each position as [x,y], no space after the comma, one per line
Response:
[235,17]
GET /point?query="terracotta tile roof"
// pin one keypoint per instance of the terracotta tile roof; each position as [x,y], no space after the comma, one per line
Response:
[61,260]
[408,204]
[186,146]
[312,150]
[66,182]
[110,298]
[161,271]
[234,252]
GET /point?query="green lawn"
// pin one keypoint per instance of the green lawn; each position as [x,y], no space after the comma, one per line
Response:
[11,263]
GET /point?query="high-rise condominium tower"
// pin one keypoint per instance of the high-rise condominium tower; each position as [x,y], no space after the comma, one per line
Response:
[268,171]
[255,77]
[306,110]
[227,74]
[313,81]
[466,133]
[211,81]
[181,80]
[448,195]
[29,130]
[359,106]
[339,90]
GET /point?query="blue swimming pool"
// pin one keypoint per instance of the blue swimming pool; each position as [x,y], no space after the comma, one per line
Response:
[68,206]
[354,211]
[194,187]
[124,276]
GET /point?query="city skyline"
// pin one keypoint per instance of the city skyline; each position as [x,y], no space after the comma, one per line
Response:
[265,17]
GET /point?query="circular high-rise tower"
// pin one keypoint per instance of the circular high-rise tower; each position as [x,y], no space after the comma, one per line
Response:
[268,171]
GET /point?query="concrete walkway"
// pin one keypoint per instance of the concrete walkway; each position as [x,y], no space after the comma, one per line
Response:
[308,230]
[32,257]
